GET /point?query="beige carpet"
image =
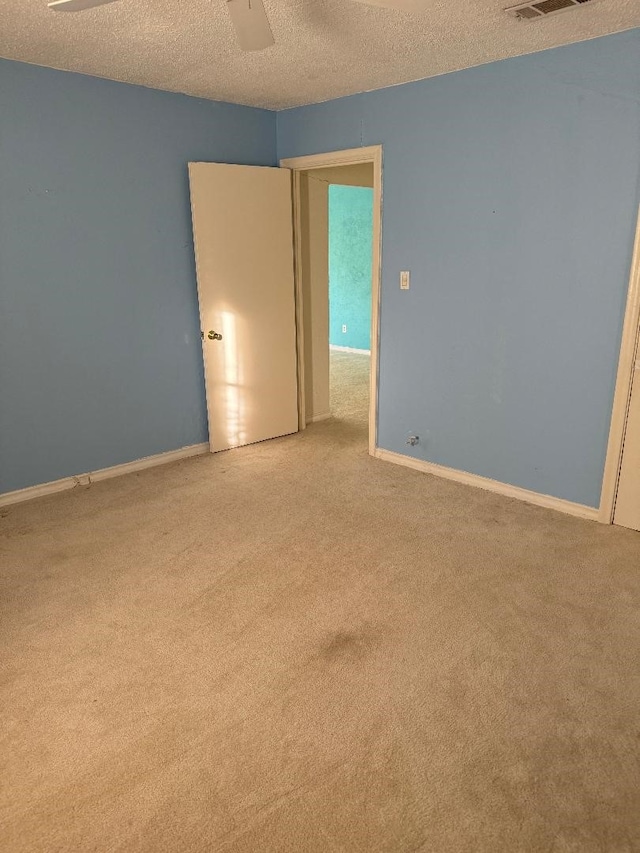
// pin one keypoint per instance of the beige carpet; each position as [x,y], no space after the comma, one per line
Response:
[349,389]
[295,647]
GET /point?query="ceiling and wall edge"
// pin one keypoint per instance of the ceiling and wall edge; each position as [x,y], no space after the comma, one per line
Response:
[325,100]
[323,49]
[306,103]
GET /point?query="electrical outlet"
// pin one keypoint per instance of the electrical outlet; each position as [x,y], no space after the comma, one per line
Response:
[344,328]
[405,280]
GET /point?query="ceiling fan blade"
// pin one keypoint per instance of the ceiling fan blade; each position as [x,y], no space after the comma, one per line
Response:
[251,24]
[402,5]
[75,5]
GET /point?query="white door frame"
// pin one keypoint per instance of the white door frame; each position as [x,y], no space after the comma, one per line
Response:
[629,351]
[371,154]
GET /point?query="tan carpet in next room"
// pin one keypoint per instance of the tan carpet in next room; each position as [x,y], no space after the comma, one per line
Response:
[296,647]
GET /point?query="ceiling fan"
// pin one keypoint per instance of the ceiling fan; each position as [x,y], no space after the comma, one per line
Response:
[248,17]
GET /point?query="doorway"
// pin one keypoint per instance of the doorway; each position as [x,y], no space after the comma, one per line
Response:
[264,329]
[337,215]
[350,223]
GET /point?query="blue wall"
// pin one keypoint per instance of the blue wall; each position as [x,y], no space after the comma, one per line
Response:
[511,193]
[350,250]
[100,354]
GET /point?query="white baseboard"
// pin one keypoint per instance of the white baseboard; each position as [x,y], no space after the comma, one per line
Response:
[317,418]
[547,501]
[336,348]
[43,489]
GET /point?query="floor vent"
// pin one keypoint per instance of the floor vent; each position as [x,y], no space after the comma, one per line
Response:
[530,11]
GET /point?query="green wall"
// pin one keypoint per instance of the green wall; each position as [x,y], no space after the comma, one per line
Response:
[350,246]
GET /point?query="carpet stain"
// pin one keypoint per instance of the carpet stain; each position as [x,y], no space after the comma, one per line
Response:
[347,645]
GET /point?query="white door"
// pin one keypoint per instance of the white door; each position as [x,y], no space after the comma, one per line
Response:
[627,511]
[242,228]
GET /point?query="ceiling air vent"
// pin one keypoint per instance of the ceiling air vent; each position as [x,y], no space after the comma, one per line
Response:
[529,11]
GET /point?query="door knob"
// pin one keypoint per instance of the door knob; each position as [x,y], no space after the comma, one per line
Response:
[214,336]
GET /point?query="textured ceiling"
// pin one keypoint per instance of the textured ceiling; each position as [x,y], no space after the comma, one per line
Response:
[324,48]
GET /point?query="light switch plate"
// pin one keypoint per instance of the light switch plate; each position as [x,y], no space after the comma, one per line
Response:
[405,280]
